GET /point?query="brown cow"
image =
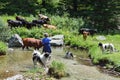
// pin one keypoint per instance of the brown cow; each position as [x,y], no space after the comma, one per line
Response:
[31,42]
[85,34]
[48,26]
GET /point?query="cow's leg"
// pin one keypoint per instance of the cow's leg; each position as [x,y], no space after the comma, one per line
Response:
[23,47]
[27,47]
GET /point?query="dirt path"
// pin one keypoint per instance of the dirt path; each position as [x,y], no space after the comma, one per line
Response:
[79,71]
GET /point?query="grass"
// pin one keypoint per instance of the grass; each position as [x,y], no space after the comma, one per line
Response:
[112,58]
[56,70]
[36,74]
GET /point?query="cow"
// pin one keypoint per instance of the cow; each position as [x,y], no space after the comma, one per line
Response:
[31,42]
[43,17]
[91,31]
[14,23]
[25,23]
[48,26]
[39,22]
[85,34]
[29,25]
[22,20]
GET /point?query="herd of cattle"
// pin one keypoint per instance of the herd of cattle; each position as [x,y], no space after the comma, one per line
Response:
[20,21]
[45,22]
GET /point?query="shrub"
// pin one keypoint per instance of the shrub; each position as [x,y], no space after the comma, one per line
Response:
[3,48]
[4,31]
[57,69]
[23,32]
[36,73]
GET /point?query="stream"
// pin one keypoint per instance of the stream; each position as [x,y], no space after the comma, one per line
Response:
[80,68]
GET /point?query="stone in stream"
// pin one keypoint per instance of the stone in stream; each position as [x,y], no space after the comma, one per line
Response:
[57,40]
[16,77]
[15,41]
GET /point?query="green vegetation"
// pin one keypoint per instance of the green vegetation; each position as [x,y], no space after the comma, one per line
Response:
[102,15]
[4,30]
[69,16]
[36,73]
[70,31]
[3,48]
[110,60]
[57,69]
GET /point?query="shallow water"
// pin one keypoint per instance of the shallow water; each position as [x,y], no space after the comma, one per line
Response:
[19,60]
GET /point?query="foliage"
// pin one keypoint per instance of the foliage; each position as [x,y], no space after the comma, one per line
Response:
[3,48]
[72,24]
[57,69]
[97,14]
[4,31]
[36,73]
[35,32]
[23,32]
[102,15]
[18,6]
[58,66]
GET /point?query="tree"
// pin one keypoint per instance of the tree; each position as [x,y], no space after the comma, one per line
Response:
[103,16]
[19,6]
[97,13]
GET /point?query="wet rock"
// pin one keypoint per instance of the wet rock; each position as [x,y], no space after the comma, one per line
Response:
[16,77]
[57,40]
[10,49]
[15,41]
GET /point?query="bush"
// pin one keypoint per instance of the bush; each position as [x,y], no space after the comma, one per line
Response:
[71,24]
[36,73]
[57,69]
[4,31]
[3,48]
[23,32]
